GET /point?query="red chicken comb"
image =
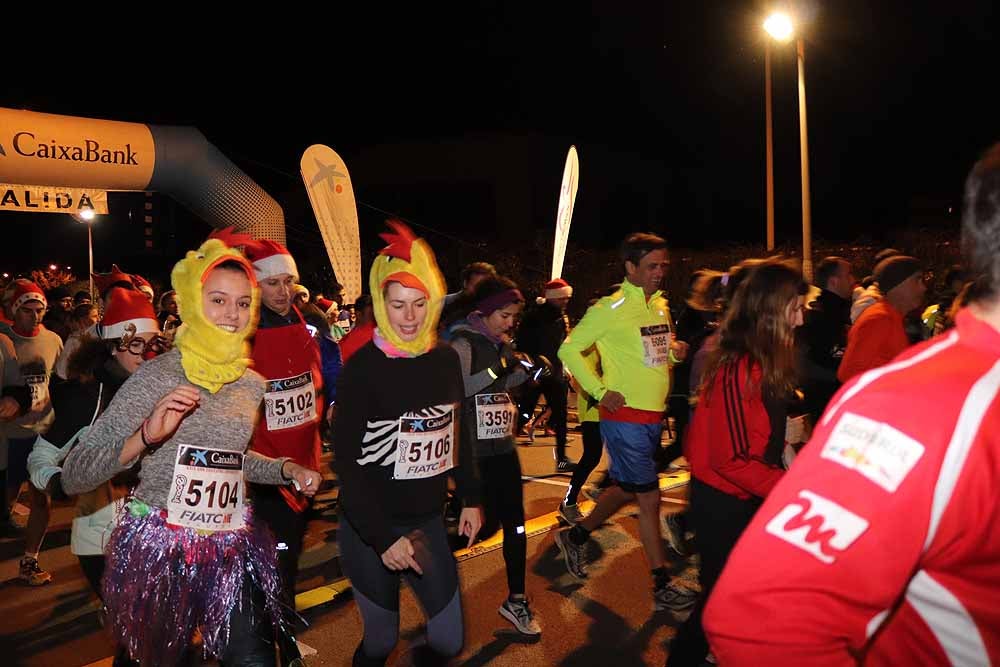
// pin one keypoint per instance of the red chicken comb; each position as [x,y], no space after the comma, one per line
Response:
[400,242]
[231,237]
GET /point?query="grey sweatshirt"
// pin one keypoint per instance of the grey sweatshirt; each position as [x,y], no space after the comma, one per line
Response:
[224,420]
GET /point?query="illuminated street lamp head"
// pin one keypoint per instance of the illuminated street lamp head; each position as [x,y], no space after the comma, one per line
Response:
[779,26]
[87,214]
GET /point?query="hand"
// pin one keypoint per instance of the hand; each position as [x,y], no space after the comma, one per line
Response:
[469,523]
[508,355]
[8,408]
[612,401]
[306,481]
[169,411]
[399,556]
[680,349]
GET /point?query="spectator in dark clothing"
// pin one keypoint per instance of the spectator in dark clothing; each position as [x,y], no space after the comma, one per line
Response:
[57,317]
[698,320]
[542,331]
[821,341]
[458,305]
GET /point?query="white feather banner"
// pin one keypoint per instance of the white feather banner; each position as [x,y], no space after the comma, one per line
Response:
[331,194]
[564,215]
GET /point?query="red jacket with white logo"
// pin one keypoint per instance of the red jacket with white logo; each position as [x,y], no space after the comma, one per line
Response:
[882,541]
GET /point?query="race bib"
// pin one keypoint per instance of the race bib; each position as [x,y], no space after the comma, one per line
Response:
[426,444]
[290,402]
[796,429]
[38,385]
[655,345]
[207,493]
[495,416]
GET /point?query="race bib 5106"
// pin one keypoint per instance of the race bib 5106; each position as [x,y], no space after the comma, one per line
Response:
[426,444]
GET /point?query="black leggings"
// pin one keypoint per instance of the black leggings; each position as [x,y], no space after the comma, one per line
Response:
[592,446]
[289,528]
[555,390]
[718,520]
[251,634]
[376,589]
[93,569]
[503,504]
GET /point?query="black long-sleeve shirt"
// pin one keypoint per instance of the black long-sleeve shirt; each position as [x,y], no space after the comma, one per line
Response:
[373,392]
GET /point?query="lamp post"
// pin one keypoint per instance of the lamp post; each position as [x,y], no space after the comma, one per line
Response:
[779,26]
[88,217]
[807,262]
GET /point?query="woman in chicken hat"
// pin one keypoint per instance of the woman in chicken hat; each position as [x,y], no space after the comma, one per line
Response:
[396,439]
[187,554]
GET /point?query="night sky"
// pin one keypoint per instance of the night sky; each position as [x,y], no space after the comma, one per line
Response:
[900,103]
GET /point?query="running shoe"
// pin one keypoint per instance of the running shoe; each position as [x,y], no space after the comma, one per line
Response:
[673,598]
[519,614]
[572,554]
[570,513]
[565,465]
[31,573]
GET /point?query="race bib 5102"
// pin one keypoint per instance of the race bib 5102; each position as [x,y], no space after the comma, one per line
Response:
[290,402]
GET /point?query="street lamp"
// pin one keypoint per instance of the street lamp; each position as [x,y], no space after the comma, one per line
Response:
[88,218]
[779,26]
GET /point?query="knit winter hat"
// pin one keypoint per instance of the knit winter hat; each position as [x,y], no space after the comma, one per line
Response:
[891,272]
[25,291]
[124,307]
[300,289]
[270,258]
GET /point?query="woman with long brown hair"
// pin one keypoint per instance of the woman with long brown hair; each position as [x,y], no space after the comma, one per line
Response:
[737,435]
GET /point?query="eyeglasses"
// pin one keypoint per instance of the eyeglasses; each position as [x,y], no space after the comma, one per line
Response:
[147,349]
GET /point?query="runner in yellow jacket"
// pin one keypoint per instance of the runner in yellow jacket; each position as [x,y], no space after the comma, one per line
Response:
[634,336]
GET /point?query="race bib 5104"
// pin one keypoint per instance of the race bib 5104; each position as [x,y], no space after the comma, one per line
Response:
[207,493]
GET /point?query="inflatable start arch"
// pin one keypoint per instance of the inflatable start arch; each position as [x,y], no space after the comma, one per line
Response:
[38,149]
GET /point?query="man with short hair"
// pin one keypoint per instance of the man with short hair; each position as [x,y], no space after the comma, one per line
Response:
[822,338]
[542,330]
[458,305]
[56,319]
[364,327]
[633,333]
[37,351]
[880,544]
[288,357]
[878,335]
